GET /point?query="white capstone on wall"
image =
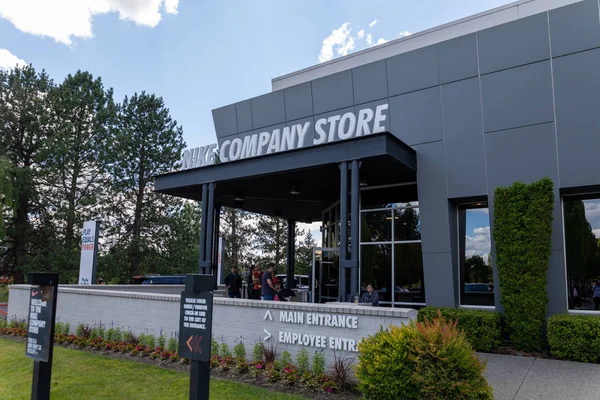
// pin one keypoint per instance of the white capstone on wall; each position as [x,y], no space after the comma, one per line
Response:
[234,320]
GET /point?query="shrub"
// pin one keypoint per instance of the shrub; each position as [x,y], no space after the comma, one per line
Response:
[225,351]
[150,341]
[273,372]
[117,335]
[172,345]
[142,339]
[483,329]
[242,365]
[67,328]
[286,358]
[423,360]
[522,231]
[240,351]
[302,361]
[318,364]
[214,347]
[257,352]
[110,335]
[575,337]
[84,331]
[130,338]
[342,366]
[162,341]
[270,353]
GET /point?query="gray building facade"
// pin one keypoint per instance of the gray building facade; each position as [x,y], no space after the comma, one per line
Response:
[515,102]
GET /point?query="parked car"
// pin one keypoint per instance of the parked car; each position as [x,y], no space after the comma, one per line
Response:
[479,288]
[301,281]
[165,280]
[139,279]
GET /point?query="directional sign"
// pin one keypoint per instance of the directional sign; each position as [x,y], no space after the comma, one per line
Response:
[195,325]
[268,315]
[40,322]
[268,335]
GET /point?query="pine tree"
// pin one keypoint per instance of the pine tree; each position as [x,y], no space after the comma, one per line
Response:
[24,131]
[304,254]
[237,231]
[147,142]
[75,181]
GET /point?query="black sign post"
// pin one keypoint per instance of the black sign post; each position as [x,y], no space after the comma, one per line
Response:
[40,330]
[195,331]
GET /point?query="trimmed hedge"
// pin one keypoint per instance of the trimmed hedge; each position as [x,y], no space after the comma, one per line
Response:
[522,231]
[483,329]
[575,337]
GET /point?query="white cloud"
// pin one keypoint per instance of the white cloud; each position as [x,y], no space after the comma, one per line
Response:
[369,39]
[404,34]
[361,34]
[479,243]
[596,233]
[171,6]
[64,19]
[8,60]
[372,24]
[339,39]
[380,41]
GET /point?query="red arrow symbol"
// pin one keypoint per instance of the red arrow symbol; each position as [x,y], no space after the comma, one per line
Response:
[193,343]
[33,293]
[188,344]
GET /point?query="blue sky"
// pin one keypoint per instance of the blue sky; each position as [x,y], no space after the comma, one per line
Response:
[207,54]
[200,55]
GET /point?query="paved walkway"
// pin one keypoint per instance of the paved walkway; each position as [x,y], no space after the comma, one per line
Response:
[527,378]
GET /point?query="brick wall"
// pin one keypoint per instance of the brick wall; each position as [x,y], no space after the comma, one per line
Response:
[234,320]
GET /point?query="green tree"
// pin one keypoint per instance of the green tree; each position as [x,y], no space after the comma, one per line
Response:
[181,249]
[237,231]
[75,181]
[304,254]
[5,194]
[478,270]
[147,142]
[26,126]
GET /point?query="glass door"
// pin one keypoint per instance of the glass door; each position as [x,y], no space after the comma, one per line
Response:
[325,275]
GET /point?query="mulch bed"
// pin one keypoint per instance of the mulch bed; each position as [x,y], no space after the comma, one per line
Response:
[232,375]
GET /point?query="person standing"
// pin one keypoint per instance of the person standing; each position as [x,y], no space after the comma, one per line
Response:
[233,281]
[596,294]
[268,287]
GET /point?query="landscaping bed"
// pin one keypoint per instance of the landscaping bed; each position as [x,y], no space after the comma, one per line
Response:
[266,370]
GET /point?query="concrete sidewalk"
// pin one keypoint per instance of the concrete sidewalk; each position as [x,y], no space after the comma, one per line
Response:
[537,378]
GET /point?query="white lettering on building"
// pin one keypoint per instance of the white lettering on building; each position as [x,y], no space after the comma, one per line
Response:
[333,128]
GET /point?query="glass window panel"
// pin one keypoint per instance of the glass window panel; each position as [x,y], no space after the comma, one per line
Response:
[376,226]
[582,230]
[376,269]
[475,257]
[408,273]
[406,224]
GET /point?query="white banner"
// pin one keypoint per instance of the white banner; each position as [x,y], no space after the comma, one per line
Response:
[89,243]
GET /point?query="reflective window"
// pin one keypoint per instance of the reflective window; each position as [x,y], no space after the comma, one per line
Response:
[394,264]
[582,246]
[408,273]
[476,280]
[406,224]
[376,226]
[376,269]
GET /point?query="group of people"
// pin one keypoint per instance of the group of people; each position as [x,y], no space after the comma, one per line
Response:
[261,285]
[595,292]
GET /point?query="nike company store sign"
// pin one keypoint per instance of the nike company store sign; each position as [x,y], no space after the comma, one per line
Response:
[334,128]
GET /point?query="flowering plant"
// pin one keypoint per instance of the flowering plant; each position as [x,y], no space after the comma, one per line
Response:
[327,384]
[215,360]
[273,373]
[290,374]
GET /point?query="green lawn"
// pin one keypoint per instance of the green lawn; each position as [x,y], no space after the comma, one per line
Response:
[81,375]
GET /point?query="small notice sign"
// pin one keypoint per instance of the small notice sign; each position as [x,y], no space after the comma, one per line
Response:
[39,324]
[195,325]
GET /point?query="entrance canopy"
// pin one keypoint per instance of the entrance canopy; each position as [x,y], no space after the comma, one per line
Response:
[296,185]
